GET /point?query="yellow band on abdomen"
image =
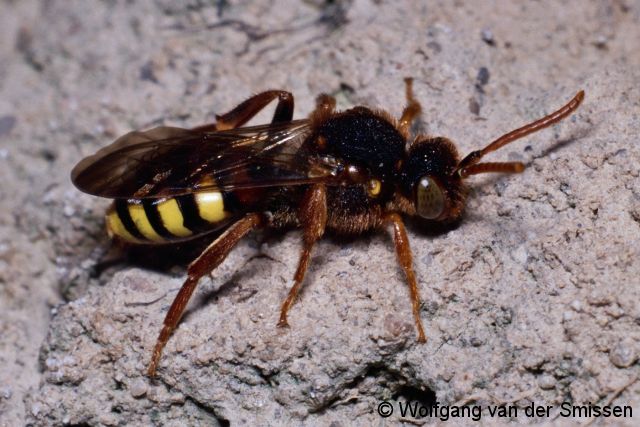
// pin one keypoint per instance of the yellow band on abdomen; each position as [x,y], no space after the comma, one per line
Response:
[115,227]
[163,220]
[139,217]
[172,218]
[211,206]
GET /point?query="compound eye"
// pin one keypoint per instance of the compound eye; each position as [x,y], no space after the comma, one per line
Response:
[430,200]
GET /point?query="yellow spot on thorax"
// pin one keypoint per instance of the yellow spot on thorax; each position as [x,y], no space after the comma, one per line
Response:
[373,187]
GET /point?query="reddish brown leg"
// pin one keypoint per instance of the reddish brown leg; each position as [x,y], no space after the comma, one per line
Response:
[313,218]
[403,251]
[410,112]
[252,106]
[204,264]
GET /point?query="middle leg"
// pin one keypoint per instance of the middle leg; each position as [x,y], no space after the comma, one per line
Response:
[313,218]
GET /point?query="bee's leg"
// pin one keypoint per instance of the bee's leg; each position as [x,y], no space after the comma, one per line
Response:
[403,251]
[212,256]
[410,112]
[313,218]
[252,106]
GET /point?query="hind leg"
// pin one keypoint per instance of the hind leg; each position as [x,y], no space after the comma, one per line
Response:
[252,106]
[204,264]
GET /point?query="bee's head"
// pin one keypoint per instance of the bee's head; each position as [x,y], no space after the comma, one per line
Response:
[430,182]
[432,175]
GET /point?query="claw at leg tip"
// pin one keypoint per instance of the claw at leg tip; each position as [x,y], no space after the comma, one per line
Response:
[282,323]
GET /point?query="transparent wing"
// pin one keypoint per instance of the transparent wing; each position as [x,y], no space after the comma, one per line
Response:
[167,161]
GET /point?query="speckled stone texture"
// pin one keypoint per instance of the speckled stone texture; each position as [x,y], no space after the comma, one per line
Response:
[533,297]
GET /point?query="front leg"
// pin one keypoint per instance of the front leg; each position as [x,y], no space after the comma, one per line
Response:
[313,218]
[401,241]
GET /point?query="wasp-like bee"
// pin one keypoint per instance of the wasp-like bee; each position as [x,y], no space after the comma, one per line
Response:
[345,172]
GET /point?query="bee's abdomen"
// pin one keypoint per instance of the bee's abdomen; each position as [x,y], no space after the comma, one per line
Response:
[164,220]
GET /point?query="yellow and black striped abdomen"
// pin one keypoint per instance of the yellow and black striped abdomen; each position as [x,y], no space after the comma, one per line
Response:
[164,220]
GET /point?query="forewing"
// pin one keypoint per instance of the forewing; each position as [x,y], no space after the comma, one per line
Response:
[169,161]
[134,159]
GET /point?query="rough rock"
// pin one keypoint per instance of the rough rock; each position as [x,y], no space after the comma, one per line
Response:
[533,297]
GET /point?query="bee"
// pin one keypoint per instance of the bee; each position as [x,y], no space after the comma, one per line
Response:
[344,172]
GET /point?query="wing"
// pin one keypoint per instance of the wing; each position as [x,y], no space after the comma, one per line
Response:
[169,161]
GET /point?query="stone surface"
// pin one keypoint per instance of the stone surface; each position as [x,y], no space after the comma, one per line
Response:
[533,297]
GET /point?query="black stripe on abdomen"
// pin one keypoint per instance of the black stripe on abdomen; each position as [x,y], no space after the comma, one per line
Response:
[191,215]
[122,209]
[153,216]
[231,202]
